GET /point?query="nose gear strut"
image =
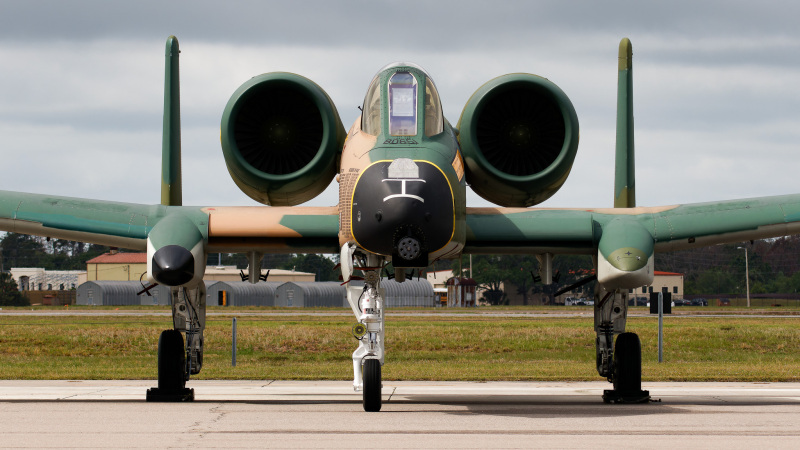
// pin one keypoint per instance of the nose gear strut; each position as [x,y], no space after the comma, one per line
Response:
[367,303]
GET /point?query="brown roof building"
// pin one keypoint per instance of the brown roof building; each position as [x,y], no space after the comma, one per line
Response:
[117,267]
[131,266]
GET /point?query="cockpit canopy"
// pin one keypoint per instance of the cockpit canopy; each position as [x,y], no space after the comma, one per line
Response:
[395,107]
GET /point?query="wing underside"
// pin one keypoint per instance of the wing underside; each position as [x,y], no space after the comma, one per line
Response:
[578,231]
[289,229]
[116,224]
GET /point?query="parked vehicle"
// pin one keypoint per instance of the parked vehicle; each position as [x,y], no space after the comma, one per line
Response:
[637,301]
[572,301]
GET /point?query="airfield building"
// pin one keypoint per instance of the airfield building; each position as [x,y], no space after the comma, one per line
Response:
[120,293]
[241,293]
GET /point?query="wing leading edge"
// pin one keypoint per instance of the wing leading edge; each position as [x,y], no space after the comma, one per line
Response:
[115,224]
[625,239]
[128,225]
[678,227]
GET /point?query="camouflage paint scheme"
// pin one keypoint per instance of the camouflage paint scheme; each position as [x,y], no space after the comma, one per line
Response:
[614,234]
[624,180]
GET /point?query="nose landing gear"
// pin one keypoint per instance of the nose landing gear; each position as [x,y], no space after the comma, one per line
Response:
[367,305]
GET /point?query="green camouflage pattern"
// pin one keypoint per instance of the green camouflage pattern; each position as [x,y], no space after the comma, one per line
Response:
[625,178]
[171,184]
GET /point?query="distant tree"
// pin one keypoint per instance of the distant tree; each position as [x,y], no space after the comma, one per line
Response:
[321,266]
[715,281]
[273,260]
[228,259]
[567,270]
[492,271]
[20,250]
[518,270]
[488,271]
[9,292]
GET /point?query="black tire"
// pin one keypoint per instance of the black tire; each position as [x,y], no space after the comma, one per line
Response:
[628,363]
[171,361]
[372,385]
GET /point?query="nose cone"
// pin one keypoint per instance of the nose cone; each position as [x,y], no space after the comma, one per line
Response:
[403,208]
[173,265]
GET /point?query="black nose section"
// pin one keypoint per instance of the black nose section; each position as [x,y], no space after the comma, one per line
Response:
[173,265]
[403,208]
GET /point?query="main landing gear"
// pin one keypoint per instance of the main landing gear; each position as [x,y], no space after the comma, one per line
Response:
[367,305]
[176,360]
[620,361]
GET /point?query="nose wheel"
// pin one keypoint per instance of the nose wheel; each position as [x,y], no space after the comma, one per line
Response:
[372,385]
[367,305]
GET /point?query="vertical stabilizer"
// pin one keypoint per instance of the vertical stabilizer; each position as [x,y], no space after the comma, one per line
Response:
[625,176]
[171,194]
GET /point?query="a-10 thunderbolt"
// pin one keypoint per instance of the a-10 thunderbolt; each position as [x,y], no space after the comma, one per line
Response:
[403,172]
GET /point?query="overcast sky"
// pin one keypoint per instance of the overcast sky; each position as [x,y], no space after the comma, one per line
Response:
[716,85]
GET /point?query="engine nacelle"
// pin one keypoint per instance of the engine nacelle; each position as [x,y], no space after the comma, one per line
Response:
[519,136]
[281,137]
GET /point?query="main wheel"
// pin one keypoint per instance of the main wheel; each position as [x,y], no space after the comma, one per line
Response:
[628,363]
[372,385]
[171,361]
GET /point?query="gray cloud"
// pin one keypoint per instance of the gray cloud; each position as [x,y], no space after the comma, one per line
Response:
[451,23]
[715,84]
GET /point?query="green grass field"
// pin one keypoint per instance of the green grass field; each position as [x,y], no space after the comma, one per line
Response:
[435,347]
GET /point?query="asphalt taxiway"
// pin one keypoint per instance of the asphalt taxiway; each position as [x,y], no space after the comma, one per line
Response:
[328,414]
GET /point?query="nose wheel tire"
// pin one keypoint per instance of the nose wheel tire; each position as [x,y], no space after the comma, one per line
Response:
[372,385]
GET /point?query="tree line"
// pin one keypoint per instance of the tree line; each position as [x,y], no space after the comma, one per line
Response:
[20,250]
[774,266]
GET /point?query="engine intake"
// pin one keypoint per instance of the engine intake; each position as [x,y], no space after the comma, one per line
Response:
[281,135]
[519,136]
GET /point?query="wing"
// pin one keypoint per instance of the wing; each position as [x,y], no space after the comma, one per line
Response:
[282,229]
[175,237]
[625,239]
[114,224]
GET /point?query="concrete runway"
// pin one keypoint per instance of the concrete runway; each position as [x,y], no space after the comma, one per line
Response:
[328,414]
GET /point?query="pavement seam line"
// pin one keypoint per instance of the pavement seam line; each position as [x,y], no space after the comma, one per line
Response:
[82,394]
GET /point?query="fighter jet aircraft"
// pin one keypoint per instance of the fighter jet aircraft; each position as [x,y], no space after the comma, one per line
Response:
[403,171]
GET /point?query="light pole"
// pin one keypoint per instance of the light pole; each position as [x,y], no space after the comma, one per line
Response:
[746,274]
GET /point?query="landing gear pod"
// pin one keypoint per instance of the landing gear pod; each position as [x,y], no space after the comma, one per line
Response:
[281,136]
[176,254]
